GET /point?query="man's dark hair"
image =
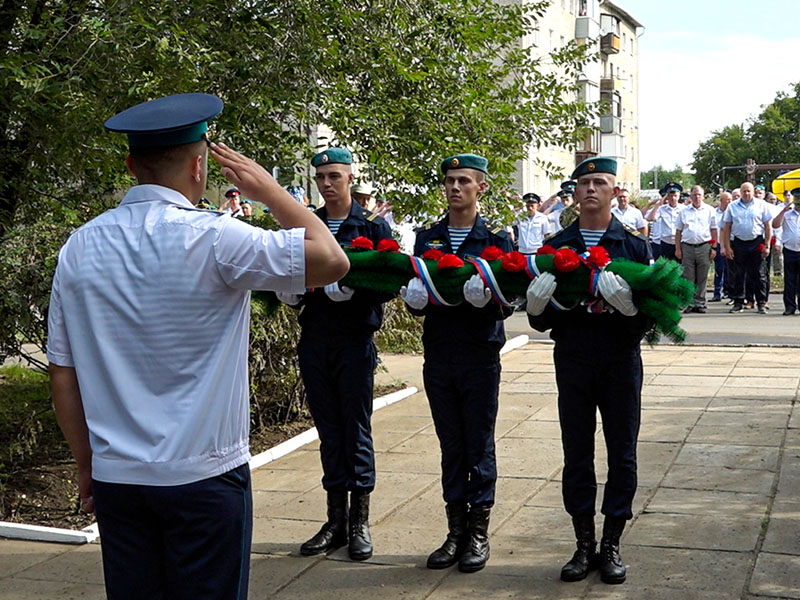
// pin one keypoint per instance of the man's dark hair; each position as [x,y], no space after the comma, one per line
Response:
[160,164]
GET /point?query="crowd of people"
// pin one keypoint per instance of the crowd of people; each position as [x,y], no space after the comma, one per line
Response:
[745,235]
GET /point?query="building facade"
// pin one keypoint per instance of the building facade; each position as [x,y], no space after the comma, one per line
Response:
[608,29]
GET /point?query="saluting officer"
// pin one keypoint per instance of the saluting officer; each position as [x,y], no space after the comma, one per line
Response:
[462,367]
[533,227]
[589,348]
[665,218]
[337,361]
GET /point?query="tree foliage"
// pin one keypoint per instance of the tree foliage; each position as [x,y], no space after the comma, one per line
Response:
[772,137]
[658,176]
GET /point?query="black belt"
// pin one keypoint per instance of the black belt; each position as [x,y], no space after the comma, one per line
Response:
[696,245]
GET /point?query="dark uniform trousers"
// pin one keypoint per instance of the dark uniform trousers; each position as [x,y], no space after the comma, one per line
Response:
[462,373]
[791,285]
[747,259]
[667,250]
[598,367]
[337,362]
[720,276]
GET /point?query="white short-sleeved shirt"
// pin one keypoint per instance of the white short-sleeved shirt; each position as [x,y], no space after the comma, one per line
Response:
[790,237]
[631,216]
[695,224]
[532,231]
[667,218]
[554,217]
[747,219]
[151,306]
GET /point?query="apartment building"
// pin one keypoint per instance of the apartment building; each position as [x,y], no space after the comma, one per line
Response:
[614,33]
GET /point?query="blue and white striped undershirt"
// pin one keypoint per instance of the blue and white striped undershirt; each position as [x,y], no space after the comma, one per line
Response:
[591,236]
[457,236]
[334,224]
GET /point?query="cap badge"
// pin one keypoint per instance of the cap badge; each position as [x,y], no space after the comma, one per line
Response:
[324,158]
[454,163]
[590,167]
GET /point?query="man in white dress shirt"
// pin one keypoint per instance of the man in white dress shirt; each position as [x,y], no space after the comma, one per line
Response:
[696,245]
[628,213]
[789,220]
[532,227]
[147,341]
[666,216]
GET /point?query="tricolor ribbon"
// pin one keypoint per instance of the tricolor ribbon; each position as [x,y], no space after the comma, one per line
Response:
[421,269]
[594,305]
[485,271]
[533,273]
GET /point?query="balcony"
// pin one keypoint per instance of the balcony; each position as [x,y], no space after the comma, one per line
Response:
[586,28]
[582,155]
[609,44]
[611,124]
[613,145]
[610,84]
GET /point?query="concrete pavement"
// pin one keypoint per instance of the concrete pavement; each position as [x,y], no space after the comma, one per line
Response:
[717,513]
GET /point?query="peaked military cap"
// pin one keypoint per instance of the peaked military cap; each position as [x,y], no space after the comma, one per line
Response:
[332,156]
[596,164]
[569,186]
[232,192]
[531,197]
[796,192]
[673,187]
[759,186]
[168,121]
[465,161]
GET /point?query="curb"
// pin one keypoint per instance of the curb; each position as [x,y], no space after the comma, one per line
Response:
[38,533]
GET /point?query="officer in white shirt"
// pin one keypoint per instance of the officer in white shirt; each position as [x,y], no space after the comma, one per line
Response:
[746,236]
[629,214]
[665,217]
[147,342]
[722,274]
[696,245]
[533,227]
[789,220]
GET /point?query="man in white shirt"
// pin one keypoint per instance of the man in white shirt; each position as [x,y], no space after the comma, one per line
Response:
[147,341]
[629,214]
[746,236]
[666,216]
[722,274]
[789,220]
[532,227]
[696,245]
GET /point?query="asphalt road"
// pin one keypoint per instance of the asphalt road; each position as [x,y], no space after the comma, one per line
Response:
[715,328]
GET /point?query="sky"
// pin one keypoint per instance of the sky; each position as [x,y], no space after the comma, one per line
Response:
[705,64]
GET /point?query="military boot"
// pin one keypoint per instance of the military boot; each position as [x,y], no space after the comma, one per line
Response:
[333,533]
[477,552]
[611,568]
[360,546]
[452,549]
[585,557]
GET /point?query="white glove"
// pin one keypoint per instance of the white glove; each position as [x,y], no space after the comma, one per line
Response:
[617,293]
[539,293]
[476,292]
[338,294]
[414,294]
[288,298]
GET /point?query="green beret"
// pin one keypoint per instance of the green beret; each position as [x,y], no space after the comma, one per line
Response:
[596,164]
[465,161]
[332,156]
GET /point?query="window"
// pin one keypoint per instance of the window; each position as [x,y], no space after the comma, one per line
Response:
[536,37]
[562,41]
[552,40]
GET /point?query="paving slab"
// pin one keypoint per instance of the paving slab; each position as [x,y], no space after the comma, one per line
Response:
[776,575]
[699,532]
[783,529]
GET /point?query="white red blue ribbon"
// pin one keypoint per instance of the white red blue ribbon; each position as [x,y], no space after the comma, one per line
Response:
[421,269]
[485,271]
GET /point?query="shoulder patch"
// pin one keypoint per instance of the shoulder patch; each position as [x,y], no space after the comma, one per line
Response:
[633,232]
[426,226]
[499,231]
[371,217]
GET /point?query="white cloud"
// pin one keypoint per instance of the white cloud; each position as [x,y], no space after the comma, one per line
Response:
[687,92]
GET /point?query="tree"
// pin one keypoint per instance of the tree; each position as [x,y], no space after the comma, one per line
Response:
[401,82]
[727,147]
[658,176]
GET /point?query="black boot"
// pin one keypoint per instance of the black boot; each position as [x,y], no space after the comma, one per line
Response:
[585,557]
[360,547]
[452,549]
[611,568]
[333,534]
[477,552]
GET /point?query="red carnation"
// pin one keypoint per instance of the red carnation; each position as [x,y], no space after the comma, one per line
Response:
[450,261]
[492,253]
[546,250]
[362,243]
[761,247]
[566,260]
[388,245]
[599,256]
[514,261]
[433,254]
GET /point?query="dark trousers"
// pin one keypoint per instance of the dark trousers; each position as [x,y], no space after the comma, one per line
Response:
[655,248]
[730,276]
[463,401]
[338,375]
[611,383]
[748,261]
[176,542]
[668,251]
[720,283]
[791,281]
